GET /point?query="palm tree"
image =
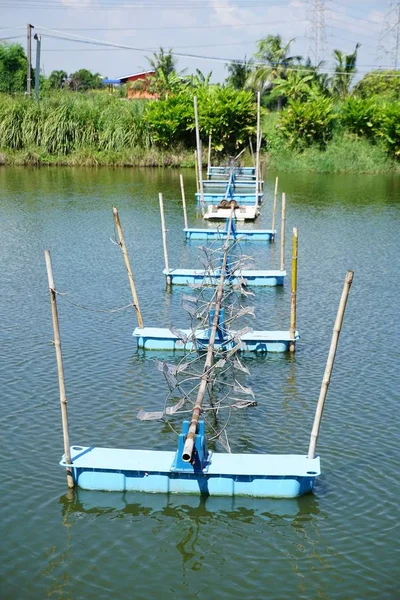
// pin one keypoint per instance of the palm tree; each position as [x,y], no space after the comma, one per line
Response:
[297,85]
[163,62]
[199,79]
[274,63]
[344,72]
[239,72]
[57,79]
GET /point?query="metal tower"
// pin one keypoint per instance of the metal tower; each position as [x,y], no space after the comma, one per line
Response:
[316,30]
[389,39]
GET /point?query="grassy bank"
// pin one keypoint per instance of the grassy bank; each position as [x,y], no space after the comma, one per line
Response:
[345,153]
[87,157]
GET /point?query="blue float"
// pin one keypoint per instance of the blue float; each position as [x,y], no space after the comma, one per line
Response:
[211,474]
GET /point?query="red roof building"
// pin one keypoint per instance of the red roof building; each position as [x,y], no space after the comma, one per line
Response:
[138,91]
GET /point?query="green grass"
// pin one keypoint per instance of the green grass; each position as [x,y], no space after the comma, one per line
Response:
[88,157]
[345,153]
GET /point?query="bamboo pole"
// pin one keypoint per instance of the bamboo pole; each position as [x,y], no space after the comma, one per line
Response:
[128,267]
[329,364]
[196,171]
[164,238]
[60,369]
[258,144]
[190,438]
[292,346]
[198,145]
[251,149]
[283,223]
[183,201]
[274,206]
[209,155]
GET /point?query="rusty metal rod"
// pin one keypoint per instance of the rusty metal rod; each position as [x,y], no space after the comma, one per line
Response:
[189,442]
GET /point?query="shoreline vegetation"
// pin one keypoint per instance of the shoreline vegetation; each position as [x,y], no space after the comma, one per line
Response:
[342,155]
[97,129]
[311,120]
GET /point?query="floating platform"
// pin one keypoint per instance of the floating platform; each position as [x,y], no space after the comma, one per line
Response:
[243,213]
[253,475]
[158,338]
[239,183]
[241,199]
[245,235]
[251,277]
[240,172]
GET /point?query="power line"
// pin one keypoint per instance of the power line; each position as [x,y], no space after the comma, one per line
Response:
[179,27]
[110,45]
[149,5]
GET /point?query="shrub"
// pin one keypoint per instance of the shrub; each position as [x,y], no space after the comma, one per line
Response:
[303,124]
[360,116]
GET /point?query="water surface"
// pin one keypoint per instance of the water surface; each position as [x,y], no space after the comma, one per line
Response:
[340,542]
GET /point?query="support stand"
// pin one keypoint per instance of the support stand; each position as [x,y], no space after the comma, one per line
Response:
[201,458]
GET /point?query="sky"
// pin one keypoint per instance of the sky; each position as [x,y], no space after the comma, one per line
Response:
[204,34]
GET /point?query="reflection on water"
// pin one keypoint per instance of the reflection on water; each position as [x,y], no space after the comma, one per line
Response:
[171,505]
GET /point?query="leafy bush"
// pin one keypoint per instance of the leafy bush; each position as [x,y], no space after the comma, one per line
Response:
[170,120]
[229,115]
[360,116]
[305,123]
[389,127]
[379,83]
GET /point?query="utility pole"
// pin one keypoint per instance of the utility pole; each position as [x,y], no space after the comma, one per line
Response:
[389,39]
[37,69]
[316,30]
[29,57]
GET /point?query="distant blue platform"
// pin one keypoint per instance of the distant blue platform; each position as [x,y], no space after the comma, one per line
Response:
[240,172]
[254,475]
[246,235]
[158,338]
[251,277]
[241,199]
[239,183]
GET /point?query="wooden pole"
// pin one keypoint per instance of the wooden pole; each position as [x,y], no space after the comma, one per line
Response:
[183,201]
[198,145]
[329,364]
[128,267]
[292,346]
[258,144]
[60,369]
[209,156]
[190,438]
[251,149]
[275,205]
[196,170]
[164,238]
[283,222]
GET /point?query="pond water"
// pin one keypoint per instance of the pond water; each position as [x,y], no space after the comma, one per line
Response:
[339,542]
